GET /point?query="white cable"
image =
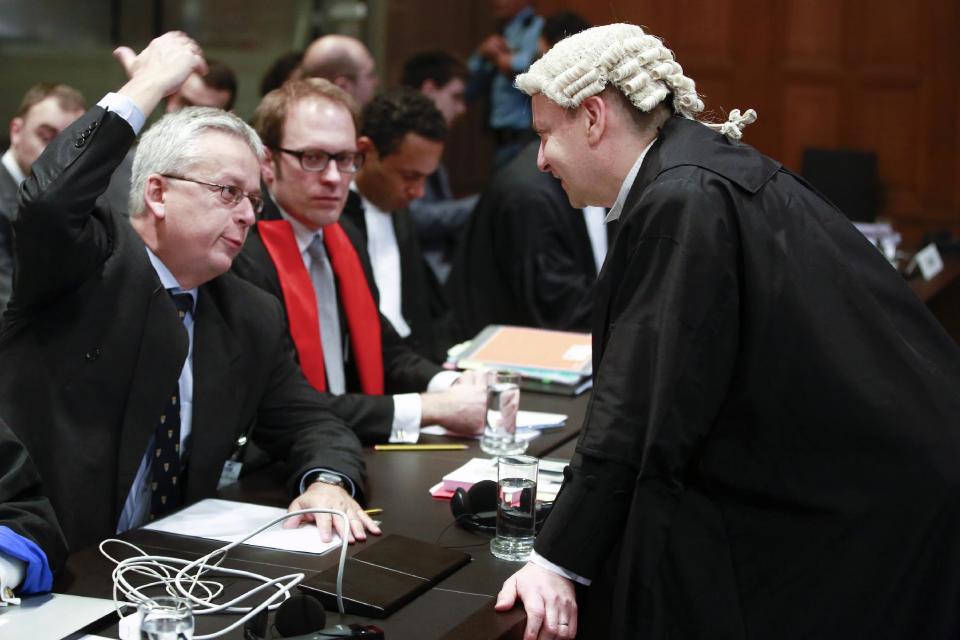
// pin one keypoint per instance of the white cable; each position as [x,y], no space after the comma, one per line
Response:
[164,573]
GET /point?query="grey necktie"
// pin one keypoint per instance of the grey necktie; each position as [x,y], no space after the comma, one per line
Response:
[321,273]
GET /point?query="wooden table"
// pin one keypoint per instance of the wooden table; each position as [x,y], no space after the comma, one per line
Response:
[459,607]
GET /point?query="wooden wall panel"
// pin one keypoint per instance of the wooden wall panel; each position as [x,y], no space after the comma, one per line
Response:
[864,74]
[810,120]
[814,38]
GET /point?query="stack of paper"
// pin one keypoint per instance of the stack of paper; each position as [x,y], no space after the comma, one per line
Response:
[231,521]
[529,425]
[549,478]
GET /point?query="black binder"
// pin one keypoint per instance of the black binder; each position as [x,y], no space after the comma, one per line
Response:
[385,576]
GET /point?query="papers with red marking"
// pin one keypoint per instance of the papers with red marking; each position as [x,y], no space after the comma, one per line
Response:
[231,521]
[549,478]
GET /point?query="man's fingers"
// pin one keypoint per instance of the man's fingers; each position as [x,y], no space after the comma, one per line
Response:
[369,523]
[508,595]
[125,56]
[324,525]
[534,618]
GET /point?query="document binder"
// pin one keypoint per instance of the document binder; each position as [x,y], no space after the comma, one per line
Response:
[385,576]
[548,361]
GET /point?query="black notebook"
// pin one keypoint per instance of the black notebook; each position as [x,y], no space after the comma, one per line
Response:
[385,576]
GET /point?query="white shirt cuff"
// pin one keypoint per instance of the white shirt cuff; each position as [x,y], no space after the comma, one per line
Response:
[540,561]
[126,109]
[443,380]
[12,572]
[407,412]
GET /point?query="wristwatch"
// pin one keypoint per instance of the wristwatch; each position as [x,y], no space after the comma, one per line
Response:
[328,478]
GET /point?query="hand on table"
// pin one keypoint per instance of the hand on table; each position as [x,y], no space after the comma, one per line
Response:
[549,599]
[462,408]
[328,496]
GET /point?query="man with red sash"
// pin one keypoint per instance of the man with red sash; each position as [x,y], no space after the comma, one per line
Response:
[302,253]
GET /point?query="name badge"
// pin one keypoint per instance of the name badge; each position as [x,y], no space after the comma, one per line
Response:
[230,473]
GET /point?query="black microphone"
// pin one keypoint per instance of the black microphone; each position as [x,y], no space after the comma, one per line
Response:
[302,617]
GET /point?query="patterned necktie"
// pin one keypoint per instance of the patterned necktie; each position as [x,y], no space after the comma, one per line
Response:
[166,489]
[321,273]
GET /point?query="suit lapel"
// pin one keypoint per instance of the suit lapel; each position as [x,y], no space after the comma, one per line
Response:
[163,351]
[216,352]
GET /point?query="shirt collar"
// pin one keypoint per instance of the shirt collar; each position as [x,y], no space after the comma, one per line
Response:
[167,279]
[301,232]
[10,163]
[617,207]
[368,207]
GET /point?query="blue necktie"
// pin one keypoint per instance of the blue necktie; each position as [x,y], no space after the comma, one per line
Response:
[165,488]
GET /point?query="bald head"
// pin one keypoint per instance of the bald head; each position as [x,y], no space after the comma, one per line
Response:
[344,61]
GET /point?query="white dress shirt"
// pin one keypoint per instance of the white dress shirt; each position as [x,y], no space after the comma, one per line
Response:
[597,232]
[407,407]
[385,260]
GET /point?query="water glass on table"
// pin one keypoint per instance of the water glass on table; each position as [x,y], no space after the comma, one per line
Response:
[166,618]
[516,507]
[503,404]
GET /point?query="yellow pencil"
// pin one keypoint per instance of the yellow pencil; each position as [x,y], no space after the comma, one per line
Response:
[420,447]
[373,512]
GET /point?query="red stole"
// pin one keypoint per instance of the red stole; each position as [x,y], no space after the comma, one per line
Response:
[363,320]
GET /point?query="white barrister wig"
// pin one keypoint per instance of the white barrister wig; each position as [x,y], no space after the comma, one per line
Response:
[636,63]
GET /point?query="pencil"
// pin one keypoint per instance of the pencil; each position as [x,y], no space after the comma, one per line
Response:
[373,512]
[419,447]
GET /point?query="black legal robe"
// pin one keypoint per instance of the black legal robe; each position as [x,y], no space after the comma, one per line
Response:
[525,257]
[772,449]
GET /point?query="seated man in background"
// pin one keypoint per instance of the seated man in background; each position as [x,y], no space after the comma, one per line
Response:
[344,61]
[402,139]
[528,257]
[134,357]
[31,543]
[437,216]
[45,110]
[303,254]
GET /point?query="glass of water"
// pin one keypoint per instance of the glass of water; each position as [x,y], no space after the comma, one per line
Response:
[166,618]
[516,507]
[503,404]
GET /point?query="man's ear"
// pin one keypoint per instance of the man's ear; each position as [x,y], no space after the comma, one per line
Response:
[154,194]
[429,88]
[345,83]
[16,126]
[365,146]
[267,170]
[596,113]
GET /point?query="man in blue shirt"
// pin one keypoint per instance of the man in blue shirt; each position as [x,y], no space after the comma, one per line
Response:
[493,67]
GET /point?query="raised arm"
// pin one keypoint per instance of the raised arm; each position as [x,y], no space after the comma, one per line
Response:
[62,237]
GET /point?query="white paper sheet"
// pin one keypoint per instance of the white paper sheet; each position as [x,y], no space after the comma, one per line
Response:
[231,521]
[529,425]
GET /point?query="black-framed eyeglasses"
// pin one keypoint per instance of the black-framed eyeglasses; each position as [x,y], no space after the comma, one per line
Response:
[228,193]
[317,160]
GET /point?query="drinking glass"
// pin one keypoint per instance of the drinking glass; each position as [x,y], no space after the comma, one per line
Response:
[166,618]
[503,403]
[516,507]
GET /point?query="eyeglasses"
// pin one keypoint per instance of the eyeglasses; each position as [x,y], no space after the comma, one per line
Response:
[316,160]
[228,193]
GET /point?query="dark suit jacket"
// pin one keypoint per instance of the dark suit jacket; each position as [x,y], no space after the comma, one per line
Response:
[23,507]
[8,210]
[404,370]
[91,346]
[775,422]
[525,257]
[422,301]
